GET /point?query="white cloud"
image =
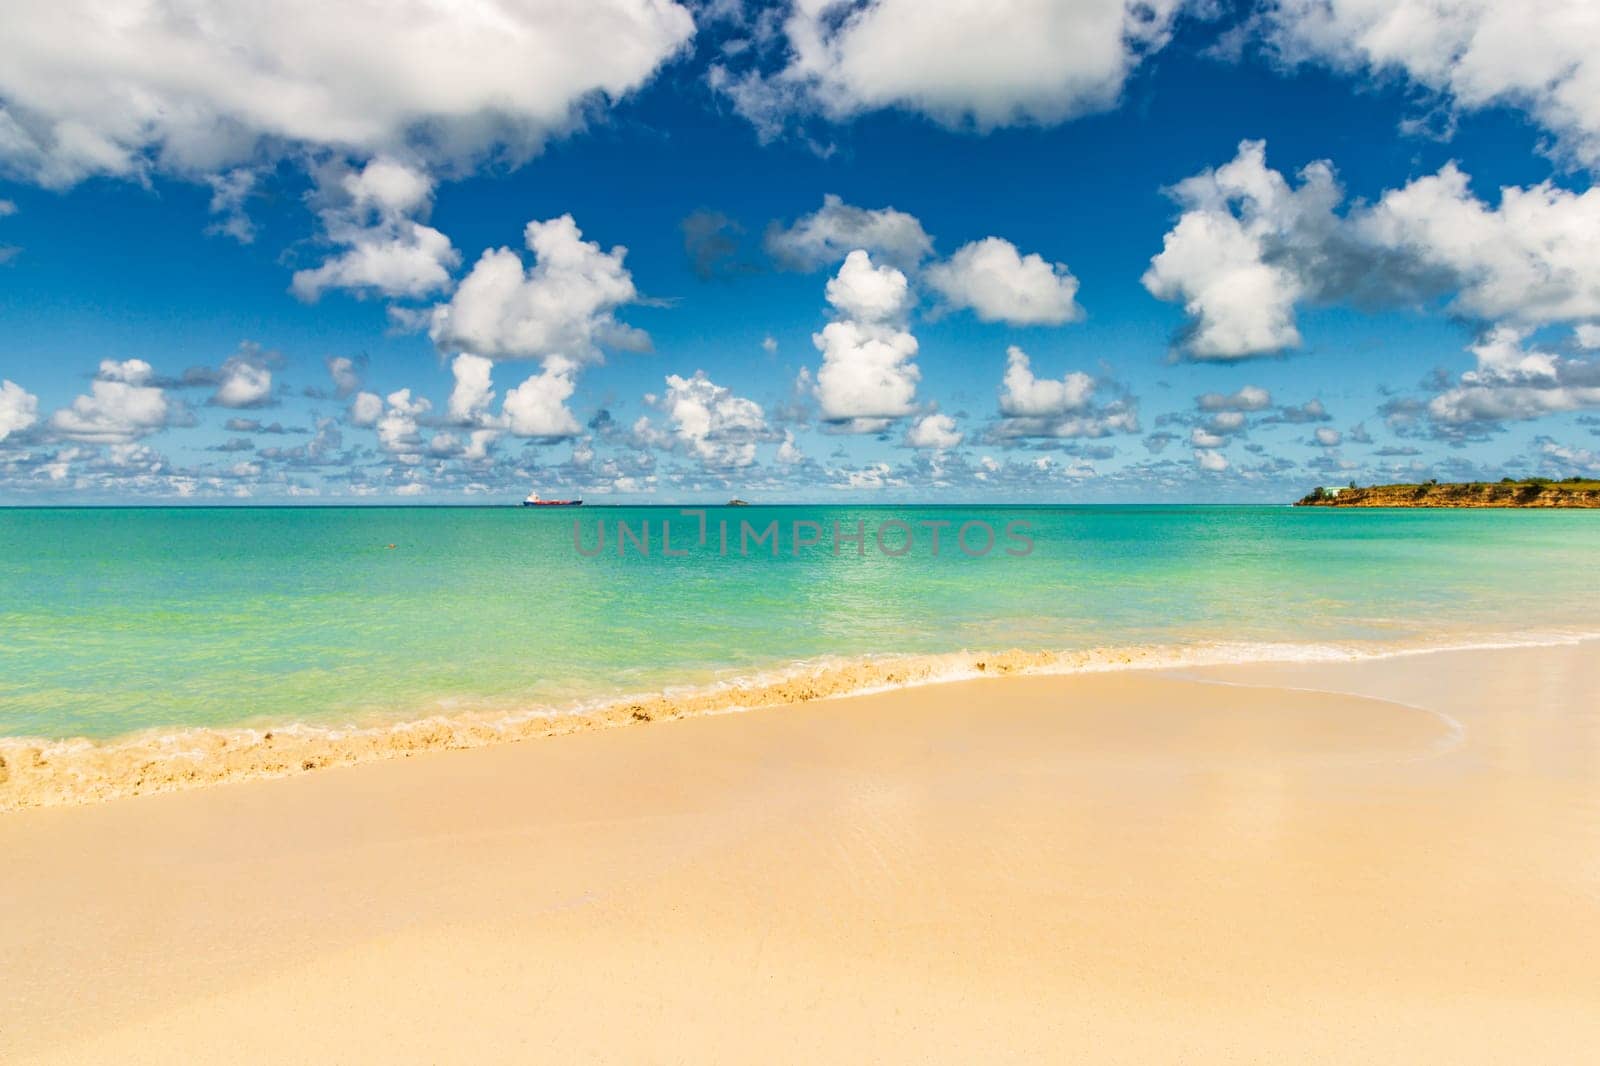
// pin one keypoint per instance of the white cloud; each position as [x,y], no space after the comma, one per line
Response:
[243,381]
[120,407]
[1542,55]
[1203,438]
[1001,285]
[1569,459]
[398,430]
[474,389]
[119,87]
[1248,398]
[1215,258]
[1049,408]
[935,432]
[537,408]
[1210,460]
[128,371]
[1025,396]
[828,234]
[867,378]
[869,293]
[474,447]
[716,426]
[346,374]
[1327,437]
[869,478]
[19,409]
[387,250]
[789,453]
[229,191]
[960,63]
[1534,258]
[1513,382]
[563,305]
[366,409]
[1250,246]
[1587,335]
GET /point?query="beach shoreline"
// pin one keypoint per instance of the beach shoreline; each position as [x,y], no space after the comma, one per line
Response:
[1312,862]
[45,772]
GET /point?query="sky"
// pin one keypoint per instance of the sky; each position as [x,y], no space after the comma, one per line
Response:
[810,250]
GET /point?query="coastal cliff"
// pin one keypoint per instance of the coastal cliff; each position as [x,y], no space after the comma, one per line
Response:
[1533,492]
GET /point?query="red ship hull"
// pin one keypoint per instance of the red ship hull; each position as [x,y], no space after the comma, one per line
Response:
[552,503]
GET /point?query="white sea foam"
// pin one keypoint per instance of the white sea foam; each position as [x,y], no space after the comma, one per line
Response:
[40,772]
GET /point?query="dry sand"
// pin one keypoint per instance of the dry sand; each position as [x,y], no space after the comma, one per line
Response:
[1403,866]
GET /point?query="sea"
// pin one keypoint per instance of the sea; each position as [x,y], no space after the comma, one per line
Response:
[122,621]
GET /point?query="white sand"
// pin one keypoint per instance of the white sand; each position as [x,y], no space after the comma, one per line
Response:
[1117,868]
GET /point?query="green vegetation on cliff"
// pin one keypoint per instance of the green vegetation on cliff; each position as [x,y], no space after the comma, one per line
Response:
[1529,492]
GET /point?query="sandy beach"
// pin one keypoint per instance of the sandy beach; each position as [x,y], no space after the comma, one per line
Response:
[1388,860]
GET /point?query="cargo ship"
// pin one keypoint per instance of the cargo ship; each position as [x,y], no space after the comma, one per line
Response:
[533,500]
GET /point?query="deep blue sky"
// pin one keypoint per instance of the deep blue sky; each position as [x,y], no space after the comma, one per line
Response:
[130,267]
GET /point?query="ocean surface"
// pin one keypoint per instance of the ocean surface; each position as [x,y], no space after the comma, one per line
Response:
[116,621]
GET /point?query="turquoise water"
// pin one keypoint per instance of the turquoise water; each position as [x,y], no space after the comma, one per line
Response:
[114,621]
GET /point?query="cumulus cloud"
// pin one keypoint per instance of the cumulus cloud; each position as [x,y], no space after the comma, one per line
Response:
[953,61]
[365,409]
[1568,460]
[1534,258]
[562,306]
[19,409]
[1210,460]
[474,389]
[121,406]
[1250,246]
[1294,415]
[346,373]
[935,432]
[398,430]
[471,447]
[867,378]
[711,423]
[828,234]
[538,407]
[244,380]
[871,293]
[1542,56]
[1216,259]
[374,215]
[1248,398]
[121,87]
[1001,285]
[1065,408]
[1513,381]
[1025,396]
[255,425]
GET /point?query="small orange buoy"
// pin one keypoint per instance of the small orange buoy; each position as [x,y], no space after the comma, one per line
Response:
[391,547]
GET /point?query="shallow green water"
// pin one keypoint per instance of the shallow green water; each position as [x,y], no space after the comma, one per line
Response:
[118,620]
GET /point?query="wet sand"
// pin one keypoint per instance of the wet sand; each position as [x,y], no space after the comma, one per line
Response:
[1390,860]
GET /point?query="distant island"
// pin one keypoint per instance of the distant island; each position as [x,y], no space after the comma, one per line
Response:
[736,502]
[1508,492]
